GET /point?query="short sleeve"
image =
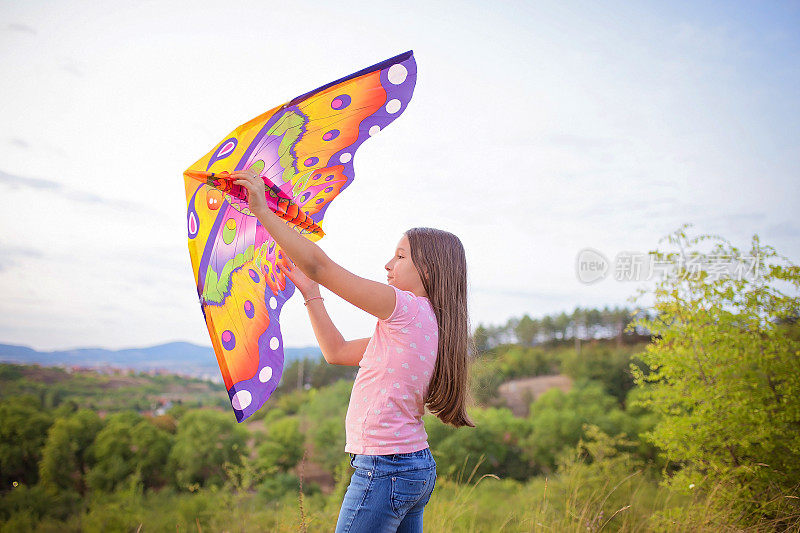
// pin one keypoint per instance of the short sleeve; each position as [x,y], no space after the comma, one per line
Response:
[406,308]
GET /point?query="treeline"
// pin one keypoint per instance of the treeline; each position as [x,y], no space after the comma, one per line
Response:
[580,324]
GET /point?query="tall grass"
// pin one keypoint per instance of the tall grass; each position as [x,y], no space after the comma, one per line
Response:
[586,494]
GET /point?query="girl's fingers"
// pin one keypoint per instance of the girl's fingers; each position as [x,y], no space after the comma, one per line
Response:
[244,183]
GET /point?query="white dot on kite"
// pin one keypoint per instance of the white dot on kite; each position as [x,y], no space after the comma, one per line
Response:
[397,74]
[241,400]
[393,106]
[273,303]
[345,157]
[265,374]
[274,343]
[374,130]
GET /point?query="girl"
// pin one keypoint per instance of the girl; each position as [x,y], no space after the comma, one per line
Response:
[417,356]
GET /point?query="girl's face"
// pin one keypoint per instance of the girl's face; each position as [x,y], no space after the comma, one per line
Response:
[401,272]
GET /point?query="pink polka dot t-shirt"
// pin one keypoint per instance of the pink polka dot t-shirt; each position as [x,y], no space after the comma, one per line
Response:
[386,405]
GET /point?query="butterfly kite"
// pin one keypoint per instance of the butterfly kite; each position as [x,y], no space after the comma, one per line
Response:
[303,150]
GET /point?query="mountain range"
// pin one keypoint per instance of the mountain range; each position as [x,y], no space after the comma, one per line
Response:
[175,357]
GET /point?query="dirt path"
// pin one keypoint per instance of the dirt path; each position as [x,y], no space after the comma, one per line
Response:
[519,393]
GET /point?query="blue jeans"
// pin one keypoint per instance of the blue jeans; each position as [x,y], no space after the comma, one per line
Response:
[387,493]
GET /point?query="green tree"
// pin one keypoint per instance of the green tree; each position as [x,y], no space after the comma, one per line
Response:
[594,321]
[481,339]
[561,324]
[548,328]
[724,372]
[526,331]
[205,442]
[488,337]
[23,430]
[604,363]
[113,452]
[495,443]
[558,418]
[323,417]
[66,458]
[151,447]
[516,362]
[283,445]
[320,373]
[580,324]
[126,445]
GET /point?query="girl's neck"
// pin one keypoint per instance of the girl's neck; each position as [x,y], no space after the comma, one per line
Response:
[416,291]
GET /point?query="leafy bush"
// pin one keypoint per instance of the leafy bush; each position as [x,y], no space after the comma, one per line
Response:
[205,442]
[723,377]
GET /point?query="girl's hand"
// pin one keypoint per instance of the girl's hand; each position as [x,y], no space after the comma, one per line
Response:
[307,286]
[256,189]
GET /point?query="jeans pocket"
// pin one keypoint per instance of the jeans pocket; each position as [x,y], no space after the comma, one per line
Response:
[407,490]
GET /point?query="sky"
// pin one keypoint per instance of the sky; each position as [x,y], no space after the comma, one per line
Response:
[536,130]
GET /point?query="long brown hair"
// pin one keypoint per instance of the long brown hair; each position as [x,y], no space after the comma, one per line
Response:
[442,265]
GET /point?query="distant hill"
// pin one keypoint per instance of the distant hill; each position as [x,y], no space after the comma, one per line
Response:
[175,357]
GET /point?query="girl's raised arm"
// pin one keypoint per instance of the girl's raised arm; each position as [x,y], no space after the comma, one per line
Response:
[377,299]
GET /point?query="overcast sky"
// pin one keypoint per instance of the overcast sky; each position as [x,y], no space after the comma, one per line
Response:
[537,129]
